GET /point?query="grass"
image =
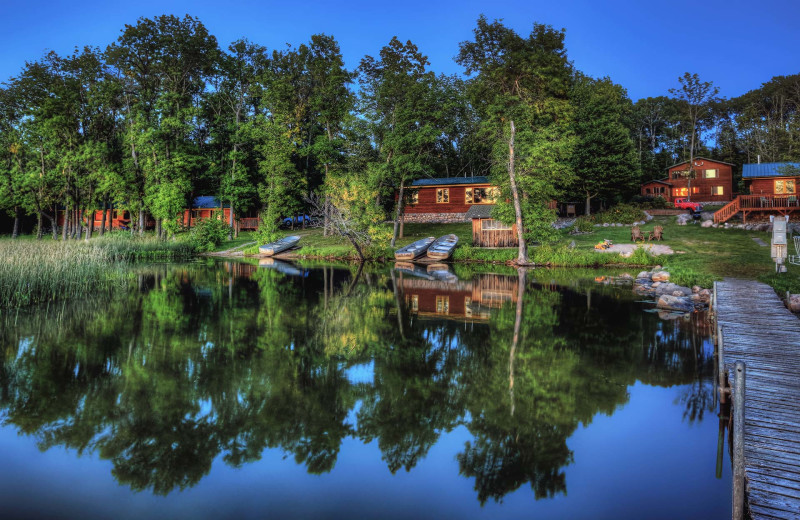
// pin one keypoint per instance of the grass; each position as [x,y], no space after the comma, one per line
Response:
[40,271]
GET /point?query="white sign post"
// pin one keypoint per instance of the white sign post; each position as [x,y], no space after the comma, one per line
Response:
[779,248]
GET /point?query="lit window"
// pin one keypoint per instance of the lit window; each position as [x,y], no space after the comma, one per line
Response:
[412,197]
[711,174]
[717,190]
[680,192]
[468,195]
[413,302]
[467,308]
[784,187]
[695,189]
[442,305]
[443,195]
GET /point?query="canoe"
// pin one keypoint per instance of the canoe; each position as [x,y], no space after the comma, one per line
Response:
[442,272]
[443,247]
[413,269]
[273,248]
[414,250]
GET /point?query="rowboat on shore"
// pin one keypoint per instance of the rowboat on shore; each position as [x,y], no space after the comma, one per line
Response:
[273,248]
[414,250]
[443,247]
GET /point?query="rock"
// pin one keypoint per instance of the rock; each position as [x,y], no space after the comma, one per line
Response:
[794,302]
[572,245]
[696,298]
[660,276]
[705,295]
[618,224]
[606,224]
[643,274]
[675,303]
[677,293]
[707,223]
[655,284]
[625,276]
[656,268]
[706,215]
[696,289]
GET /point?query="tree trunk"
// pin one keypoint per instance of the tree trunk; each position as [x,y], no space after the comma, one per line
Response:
[158,228]
[230,220]
[399,214]
[15,232]
[326,226]
[103,218]
[90,225]
[65,226]
[522,256]
[39,225]
[588,209]
[141,222]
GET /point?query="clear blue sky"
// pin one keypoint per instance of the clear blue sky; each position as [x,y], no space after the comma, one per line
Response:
[643,45]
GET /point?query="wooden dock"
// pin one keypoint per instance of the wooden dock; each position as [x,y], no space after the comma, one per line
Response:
[761,332]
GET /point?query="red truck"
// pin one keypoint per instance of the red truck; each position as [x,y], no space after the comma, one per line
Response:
[687,204]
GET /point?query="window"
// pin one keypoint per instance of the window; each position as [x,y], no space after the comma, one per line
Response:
[443,195]
[710,174]
[491,224]
[412,197]
[482,195]
[717,190]
[784,187]
[467,308]
[647,191]
[695,189]
[413,302]
[442,305]
[680,192]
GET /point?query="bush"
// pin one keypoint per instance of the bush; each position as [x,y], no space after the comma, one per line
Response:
[621,213]
[209,233]
[584,224]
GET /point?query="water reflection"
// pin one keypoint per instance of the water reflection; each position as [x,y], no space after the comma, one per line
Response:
[228,359]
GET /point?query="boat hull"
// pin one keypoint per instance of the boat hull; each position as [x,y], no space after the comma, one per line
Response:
[414,250]
[273,248]
[443,248]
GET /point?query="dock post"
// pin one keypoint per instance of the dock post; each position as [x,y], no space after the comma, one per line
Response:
[721,364]
[738,442]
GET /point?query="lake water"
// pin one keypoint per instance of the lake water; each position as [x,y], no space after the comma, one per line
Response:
[235,390]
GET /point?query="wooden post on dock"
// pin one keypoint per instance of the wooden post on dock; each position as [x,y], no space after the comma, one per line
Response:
[721,364]
[738,442]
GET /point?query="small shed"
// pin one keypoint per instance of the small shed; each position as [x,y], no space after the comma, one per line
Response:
[488,232]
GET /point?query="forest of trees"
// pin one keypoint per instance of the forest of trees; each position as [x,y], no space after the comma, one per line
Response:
[163,115]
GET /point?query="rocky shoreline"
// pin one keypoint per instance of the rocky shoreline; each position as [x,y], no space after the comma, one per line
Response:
[670,296]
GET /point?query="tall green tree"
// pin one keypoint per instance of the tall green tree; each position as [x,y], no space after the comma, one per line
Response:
[396,99]
[695,99]
[521,90]
[604,158]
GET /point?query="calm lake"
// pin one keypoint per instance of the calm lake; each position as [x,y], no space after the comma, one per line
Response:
[227,389]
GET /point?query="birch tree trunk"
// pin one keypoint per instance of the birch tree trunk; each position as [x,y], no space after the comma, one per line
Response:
[522,256]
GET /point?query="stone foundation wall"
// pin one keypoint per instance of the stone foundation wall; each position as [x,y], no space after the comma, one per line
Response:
[436,218]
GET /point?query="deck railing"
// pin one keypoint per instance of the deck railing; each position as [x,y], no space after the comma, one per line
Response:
[756,203]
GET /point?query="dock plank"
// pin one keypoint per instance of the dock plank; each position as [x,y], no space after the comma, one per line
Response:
[758,330]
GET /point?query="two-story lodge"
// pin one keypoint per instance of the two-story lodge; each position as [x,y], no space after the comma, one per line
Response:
[711,181]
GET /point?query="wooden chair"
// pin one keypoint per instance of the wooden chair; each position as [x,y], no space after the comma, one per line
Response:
[636,234]
[657,234]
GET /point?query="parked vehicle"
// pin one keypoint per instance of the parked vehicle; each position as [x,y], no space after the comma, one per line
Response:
[687,204]
[297,221]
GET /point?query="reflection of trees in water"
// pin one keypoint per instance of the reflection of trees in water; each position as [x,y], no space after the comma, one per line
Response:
[199,361]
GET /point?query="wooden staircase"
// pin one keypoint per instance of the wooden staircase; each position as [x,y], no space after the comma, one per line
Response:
[728,211]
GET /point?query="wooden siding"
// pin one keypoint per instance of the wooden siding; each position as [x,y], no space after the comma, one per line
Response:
[427,199]
[493,237]
[656,189]
[704,186]
[766,186]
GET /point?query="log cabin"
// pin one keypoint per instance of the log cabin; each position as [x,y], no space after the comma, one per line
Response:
[712,181]
[447,200]
[771,190]
[207,206]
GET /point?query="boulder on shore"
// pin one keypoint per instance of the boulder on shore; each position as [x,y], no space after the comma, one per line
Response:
[675,303]
[660,276]
[794,302]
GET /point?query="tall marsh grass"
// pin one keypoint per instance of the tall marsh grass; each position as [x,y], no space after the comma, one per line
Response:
[34,272]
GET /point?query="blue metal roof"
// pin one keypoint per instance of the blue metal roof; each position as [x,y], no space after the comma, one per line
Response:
[451,180]
[772,169]
[206,202]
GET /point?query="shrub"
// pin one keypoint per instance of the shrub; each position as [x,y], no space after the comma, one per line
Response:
[621,213]
[584,224]
[209,233]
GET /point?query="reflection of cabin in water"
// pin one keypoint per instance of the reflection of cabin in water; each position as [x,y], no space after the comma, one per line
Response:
[462,300]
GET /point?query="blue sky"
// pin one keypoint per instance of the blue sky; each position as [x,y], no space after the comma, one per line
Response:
[643,45]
